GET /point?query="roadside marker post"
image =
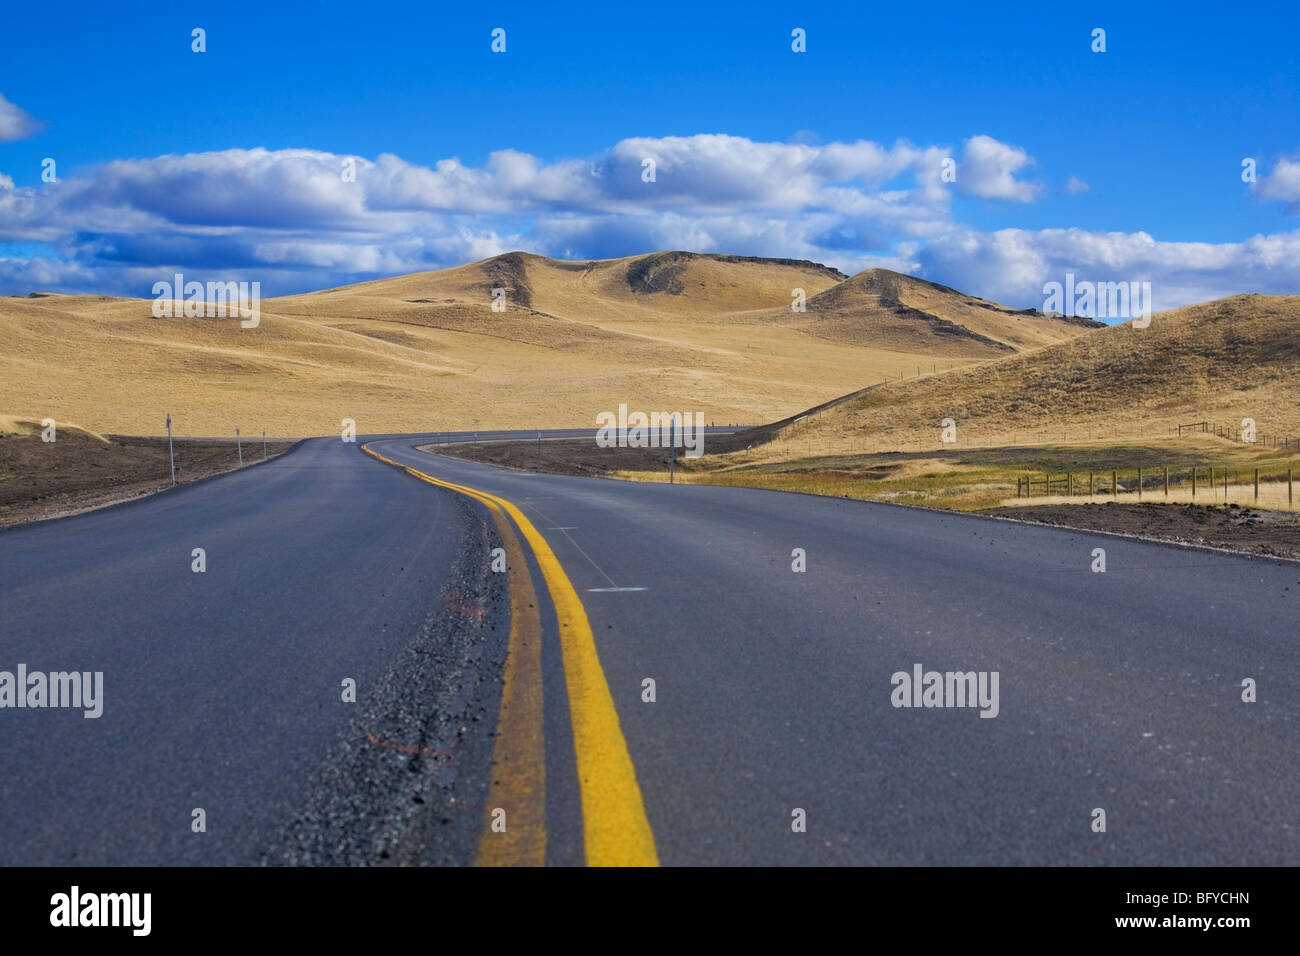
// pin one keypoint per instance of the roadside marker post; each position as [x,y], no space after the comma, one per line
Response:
[170,453]
[239,446]
[672,448]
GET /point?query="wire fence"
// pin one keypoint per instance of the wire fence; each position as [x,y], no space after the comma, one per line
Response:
[1269,487]
[1238,433]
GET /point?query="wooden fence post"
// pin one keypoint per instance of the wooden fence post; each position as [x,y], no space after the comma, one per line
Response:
[1069,486]
[1193,482]
[1166,481]
[1139,484]
[1257,484]
[1114,486]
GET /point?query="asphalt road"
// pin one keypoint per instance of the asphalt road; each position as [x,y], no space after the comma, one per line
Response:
[1118,690]
[223,690]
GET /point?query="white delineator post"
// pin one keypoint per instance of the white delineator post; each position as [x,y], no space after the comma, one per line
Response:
[170,453]
[672,446]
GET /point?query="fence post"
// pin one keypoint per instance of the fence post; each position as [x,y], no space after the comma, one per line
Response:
[1290,489]
[1069,487]
[240,446]
[672,451]
[1114,486]
[171,453]
[1193,482]
[1139,484]
[1089,484]
[1166,481]
[1257,484]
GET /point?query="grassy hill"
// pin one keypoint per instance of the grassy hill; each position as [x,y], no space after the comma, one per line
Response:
[1221,361]
[670,330]
[909,314]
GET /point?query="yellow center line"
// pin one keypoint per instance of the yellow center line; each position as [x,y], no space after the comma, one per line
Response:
[616,831]
[518,783]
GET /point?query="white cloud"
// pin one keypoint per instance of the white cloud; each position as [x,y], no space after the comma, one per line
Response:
[1076,185]
[15,122]
[289,219]
[987,171]
[293,213]
[1282,184]
[1012,265]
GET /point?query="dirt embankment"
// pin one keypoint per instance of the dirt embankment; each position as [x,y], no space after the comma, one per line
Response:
[567,456]
[79,471]
[1251,530]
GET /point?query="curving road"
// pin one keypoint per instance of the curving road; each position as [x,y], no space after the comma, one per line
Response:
[1118,690]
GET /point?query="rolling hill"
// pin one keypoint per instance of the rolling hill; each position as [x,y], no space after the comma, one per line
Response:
[1221,361]
[908,314]
[668,330]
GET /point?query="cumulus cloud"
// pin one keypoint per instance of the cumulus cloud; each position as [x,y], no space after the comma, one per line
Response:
[15,122]
[299,219]
[1076,185]
[1012,265]
[318,218]
[987,171]
[1282,184]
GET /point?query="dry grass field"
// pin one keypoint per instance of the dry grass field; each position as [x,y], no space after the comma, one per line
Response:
[1221,362]
[667,331]
[80,470]
[1083,432]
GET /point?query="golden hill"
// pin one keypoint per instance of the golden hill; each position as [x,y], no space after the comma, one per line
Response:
[1221,361]
[908,314]
[671,330]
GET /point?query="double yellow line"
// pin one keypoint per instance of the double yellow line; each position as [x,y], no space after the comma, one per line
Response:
[616,831]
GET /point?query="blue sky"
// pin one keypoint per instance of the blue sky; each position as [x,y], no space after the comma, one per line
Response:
[759,148]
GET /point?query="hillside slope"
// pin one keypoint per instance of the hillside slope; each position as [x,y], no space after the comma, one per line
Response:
[891,310]
[1220,361]
[670,330]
